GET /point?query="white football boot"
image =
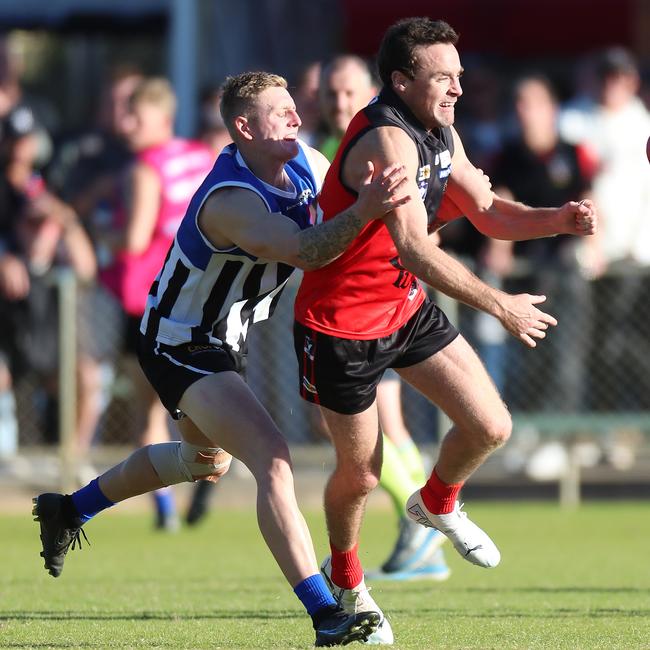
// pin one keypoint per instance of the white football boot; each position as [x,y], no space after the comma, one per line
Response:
[468,539]
[355,600]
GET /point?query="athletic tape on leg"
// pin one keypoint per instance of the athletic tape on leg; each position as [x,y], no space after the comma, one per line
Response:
[181,462]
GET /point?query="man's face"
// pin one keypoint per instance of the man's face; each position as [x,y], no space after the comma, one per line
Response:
[432,94]
[617,89]
[345,92]
[145,125]
[535,108]
[275,123]
[117,108]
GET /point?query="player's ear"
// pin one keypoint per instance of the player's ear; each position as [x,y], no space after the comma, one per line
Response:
[399,80]
[243,127]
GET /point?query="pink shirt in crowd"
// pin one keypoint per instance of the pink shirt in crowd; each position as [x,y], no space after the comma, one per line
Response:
[181,166]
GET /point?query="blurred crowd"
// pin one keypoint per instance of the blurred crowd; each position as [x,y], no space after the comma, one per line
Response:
[102,203]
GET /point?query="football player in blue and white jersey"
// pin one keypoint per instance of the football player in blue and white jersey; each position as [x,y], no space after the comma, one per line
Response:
[252,221]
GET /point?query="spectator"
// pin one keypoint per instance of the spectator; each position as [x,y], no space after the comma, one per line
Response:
[538,167]
[212,129]
[305,95]
[617,126]
[86,171]
[166,172]
[39,233]
[346,86]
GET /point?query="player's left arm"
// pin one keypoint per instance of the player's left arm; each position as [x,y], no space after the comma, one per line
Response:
[469,189]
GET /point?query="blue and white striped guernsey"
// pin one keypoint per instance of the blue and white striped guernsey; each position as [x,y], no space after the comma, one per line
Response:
[203,293]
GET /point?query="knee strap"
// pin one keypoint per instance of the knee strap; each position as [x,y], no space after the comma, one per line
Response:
[181,462]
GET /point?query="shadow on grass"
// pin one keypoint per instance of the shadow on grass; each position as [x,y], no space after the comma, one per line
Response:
[86,644]
[505,613]
[145,616]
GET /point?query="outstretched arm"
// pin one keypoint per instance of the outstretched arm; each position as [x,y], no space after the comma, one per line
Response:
[469,189]
[422,257]
[238,217]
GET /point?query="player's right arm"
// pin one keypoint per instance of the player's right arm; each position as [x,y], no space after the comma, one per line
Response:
[408,226]
[236,216]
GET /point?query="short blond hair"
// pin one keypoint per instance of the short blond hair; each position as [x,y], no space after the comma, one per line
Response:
[156,91]
[241,91]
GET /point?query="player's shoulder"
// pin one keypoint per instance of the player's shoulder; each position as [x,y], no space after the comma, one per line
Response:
[235,202]
[385,139]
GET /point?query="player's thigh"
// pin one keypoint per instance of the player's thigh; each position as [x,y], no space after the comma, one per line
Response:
[192,434]
[356,439]
[225,410]
[456,380]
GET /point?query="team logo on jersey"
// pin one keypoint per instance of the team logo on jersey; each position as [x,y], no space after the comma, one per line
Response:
[424,173]
[303,199]
[444,160]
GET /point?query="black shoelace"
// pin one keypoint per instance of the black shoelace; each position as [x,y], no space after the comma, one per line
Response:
[75,541]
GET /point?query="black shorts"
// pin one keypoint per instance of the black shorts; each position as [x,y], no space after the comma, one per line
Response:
[131,334]
[342,374]
[172,369]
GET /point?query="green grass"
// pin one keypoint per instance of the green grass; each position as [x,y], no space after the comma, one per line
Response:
[567,580]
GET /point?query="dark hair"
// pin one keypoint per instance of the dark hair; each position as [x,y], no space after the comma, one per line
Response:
[397,49]
[536,77]
[616,60]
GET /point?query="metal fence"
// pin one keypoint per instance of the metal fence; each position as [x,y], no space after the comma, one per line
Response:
[591,374]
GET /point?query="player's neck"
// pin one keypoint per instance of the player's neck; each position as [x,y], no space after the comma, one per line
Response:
[271,171]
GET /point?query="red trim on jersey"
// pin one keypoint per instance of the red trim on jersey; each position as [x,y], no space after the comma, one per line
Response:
[365,293]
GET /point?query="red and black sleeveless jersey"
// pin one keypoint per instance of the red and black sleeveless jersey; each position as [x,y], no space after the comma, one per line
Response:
[366,293]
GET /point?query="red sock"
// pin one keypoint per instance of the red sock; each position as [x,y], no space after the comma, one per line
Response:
[438,497]
[346,567]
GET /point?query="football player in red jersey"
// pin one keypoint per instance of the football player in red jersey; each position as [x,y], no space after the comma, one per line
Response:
[366,311]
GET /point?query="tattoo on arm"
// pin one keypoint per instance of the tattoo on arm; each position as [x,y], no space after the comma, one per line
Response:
[325,242]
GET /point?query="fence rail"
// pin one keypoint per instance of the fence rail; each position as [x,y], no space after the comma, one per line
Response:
[591,376]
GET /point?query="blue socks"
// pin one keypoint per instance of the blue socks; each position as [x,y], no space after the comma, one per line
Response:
[314,594]
[90,500]
[164,500]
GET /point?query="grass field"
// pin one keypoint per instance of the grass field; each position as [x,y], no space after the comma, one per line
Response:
[567,580]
